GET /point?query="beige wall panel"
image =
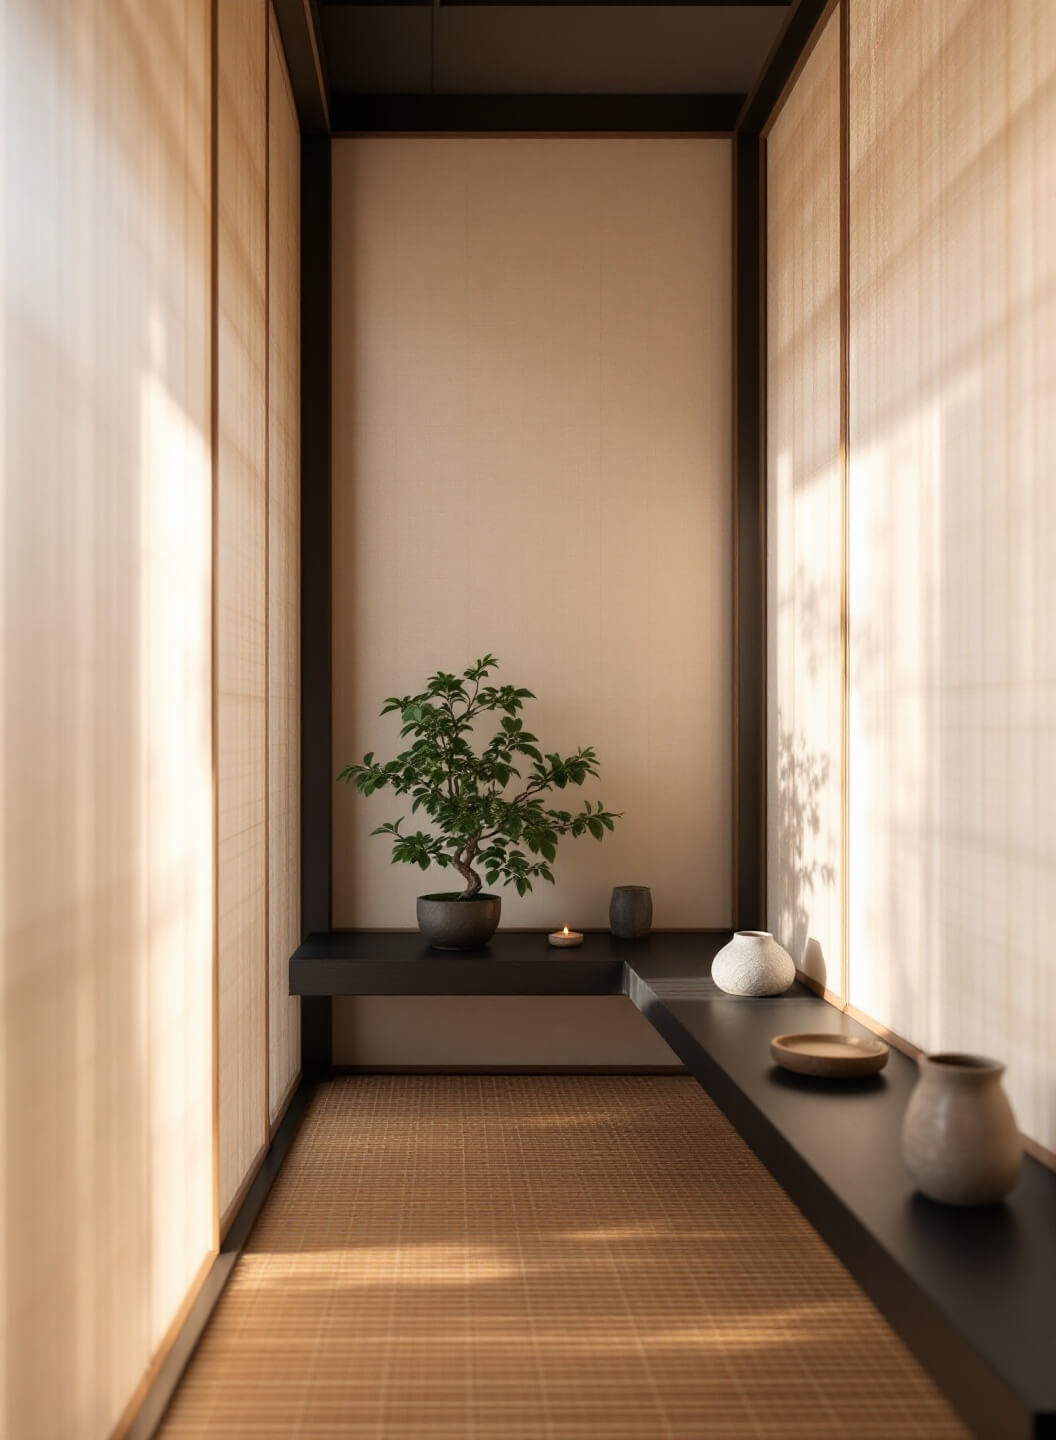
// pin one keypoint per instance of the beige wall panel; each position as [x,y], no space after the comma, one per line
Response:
[532,456]
[953,531]
[284,580]
[106,761]
[241,583]
[805,519]
[495,1030]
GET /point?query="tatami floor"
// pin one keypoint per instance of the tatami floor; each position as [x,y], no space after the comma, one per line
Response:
[569,1257]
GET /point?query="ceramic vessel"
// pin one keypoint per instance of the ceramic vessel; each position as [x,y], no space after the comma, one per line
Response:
[959,1138]
[631,911]
[753,963]
[449,923]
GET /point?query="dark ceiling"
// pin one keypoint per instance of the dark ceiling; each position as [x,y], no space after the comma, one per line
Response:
[399,48]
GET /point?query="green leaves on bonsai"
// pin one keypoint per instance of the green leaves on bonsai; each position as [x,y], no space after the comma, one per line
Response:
[511,837]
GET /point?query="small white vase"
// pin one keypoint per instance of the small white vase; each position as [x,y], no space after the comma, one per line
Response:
[753,963]
[959,1138]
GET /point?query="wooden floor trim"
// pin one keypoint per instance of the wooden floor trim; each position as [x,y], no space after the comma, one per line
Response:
[147,1407]
[283,1106]
[126,1426]
[231,1213]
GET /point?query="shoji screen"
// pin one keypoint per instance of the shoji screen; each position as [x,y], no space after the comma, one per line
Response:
[284,579]
[805,519]
[106,858]
[953,531]
[241,583]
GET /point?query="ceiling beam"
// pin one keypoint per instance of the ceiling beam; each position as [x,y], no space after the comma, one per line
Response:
[299,31]
[535,114]
[786,55]
[562,4]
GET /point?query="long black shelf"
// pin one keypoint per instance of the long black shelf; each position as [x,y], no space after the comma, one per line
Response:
[349,962]
[970,1291]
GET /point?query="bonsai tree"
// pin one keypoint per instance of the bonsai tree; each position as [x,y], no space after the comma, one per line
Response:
[512,837]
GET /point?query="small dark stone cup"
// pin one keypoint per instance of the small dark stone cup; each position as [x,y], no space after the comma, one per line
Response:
[631,912]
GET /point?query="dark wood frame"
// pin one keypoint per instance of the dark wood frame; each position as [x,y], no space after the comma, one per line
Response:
[644,115]
[317,781]
[457,4]
[299,30]
[790,49]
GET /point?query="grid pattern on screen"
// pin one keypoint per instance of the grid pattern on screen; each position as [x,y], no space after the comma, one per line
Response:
[568,1257]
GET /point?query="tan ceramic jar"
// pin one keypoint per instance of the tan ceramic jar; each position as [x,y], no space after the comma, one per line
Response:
[959,1137]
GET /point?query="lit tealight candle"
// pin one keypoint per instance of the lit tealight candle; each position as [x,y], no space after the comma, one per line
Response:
[566,937]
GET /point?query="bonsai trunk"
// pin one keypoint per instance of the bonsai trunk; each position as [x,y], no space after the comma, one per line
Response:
[463,863]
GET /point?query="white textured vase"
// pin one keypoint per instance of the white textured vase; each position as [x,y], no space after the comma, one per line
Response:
[959,1137]
[753,963]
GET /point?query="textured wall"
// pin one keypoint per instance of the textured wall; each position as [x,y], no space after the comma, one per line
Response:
[489,1030]
[284,581]
[805,519]
[106,856]
[532,456]
[241,582]
[953,530]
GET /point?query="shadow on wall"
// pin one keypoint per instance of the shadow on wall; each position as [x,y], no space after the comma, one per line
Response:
[802,775]
[952,523]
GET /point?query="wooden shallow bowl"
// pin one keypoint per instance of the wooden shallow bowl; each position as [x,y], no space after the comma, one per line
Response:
[831,1055]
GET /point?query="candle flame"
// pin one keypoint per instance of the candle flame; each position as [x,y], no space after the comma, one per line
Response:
[565,930]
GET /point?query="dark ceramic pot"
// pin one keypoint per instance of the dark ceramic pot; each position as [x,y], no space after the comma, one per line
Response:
[449,923]
[631,912]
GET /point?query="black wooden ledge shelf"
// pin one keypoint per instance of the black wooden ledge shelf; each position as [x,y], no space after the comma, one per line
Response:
[972,1292]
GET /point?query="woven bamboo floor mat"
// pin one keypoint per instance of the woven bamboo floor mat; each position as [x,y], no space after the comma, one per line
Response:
[540,1258]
